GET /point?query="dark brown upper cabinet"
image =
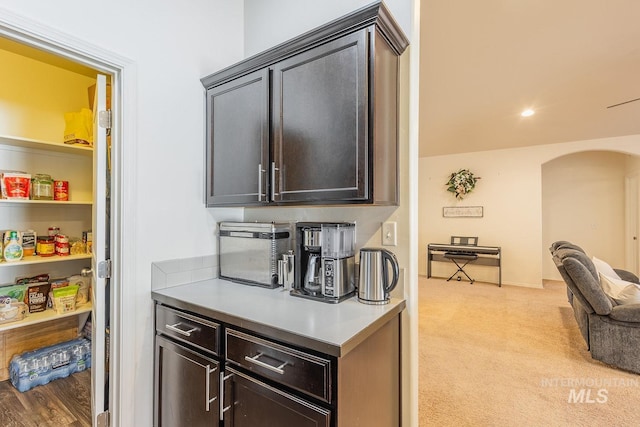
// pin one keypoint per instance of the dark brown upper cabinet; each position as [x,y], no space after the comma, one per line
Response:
[311,121]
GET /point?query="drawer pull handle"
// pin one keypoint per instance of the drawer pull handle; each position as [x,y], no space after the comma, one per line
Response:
[175,328]
[223,408]
[208,373]
[277,369]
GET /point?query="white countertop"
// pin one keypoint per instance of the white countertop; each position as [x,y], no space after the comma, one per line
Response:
[329,328]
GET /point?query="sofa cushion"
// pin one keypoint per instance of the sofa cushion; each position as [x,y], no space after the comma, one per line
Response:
[626,313]
[627,275]
[619,290]
[603,268]
[584,276]
[568,245]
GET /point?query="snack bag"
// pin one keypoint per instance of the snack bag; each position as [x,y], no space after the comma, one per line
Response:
[79,127]
[37,295]
[83,288]
[64,299]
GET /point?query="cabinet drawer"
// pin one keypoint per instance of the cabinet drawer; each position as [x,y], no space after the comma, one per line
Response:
[184,327]
[302,371]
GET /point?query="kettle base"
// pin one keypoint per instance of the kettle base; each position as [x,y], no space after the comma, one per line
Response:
[373,302]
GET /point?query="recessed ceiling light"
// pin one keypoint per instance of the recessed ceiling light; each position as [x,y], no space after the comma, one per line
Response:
[527,113]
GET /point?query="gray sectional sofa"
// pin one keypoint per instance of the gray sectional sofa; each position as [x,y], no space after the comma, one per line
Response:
[611,331]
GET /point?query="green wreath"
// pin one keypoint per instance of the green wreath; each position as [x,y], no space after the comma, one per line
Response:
[462,183]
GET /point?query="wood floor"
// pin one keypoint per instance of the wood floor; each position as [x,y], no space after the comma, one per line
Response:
[63,402]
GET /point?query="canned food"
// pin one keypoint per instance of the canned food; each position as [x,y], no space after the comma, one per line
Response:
[61,190]
[53,231]
[61,238]
[62,249]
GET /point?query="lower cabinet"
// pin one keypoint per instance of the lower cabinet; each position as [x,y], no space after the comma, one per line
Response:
[210,373]
[249,402]
[187,388]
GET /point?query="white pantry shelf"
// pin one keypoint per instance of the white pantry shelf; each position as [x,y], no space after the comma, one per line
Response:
[44,316]
[44,260]
[46,145]
[45,202]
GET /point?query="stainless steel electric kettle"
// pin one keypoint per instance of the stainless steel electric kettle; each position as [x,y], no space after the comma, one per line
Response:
[374,286]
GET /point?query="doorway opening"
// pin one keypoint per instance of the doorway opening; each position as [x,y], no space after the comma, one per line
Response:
[48,78]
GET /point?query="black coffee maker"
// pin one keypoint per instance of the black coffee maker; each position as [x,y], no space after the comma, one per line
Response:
[325,261]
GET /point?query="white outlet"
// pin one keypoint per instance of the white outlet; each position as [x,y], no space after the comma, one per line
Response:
[389,233]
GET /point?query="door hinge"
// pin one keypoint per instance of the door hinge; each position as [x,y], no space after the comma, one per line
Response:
[104,269]
[104,120]
[103,419]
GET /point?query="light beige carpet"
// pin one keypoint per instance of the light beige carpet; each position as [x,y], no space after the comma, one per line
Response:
[513,356]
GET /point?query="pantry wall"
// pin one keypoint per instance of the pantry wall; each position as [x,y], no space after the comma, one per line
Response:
[36,90]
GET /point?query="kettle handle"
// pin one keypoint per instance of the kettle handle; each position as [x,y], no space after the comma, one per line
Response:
[390,258]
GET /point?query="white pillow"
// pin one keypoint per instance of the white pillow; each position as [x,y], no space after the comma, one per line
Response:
[619,290]
[604,268]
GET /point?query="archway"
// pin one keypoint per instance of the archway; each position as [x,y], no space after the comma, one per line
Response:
[586,200]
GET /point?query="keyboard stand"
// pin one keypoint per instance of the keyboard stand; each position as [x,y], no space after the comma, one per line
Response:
[467,258]
[487,255]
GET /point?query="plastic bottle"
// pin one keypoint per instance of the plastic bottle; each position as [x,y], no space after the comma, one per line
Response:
[13,249]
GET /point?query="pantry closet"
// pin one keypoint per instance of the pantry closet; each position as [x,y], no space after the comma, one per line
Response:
[37,88]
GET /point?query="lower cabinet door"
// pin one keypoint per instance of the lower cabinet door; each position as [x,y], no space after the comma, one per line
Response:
[248,402]
[186,387]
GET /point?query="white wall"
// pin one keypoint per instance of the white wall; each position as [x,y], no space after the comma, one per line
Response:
[171,45]
[268,23]
[510,192]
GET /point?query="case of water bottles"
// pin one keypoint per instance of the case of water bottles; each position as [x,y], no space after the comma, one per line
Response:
[44,365]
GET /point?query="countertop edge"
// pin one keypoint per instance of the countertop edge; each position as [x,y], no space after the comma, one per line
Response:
[279,333]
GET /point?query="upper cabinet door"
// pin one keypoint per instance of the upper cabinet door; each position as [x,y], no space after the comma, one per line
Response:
[319,123]
[238,141]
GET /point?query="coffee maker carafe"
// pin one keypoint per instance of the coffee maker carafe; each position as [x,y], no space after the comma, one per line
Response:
[325,261]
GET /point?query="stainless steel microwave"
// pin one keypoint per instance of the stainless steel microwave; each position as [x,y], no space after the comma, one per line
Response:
[249,251]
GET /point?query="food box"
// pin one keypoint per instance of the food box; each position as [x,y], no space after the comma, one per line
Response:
[37,295]
[15,185]
[11,310]
[92,94]
[29,242]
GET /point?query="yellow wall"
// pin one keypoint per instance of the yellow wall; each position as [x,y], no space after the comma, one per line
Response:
[35,96]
